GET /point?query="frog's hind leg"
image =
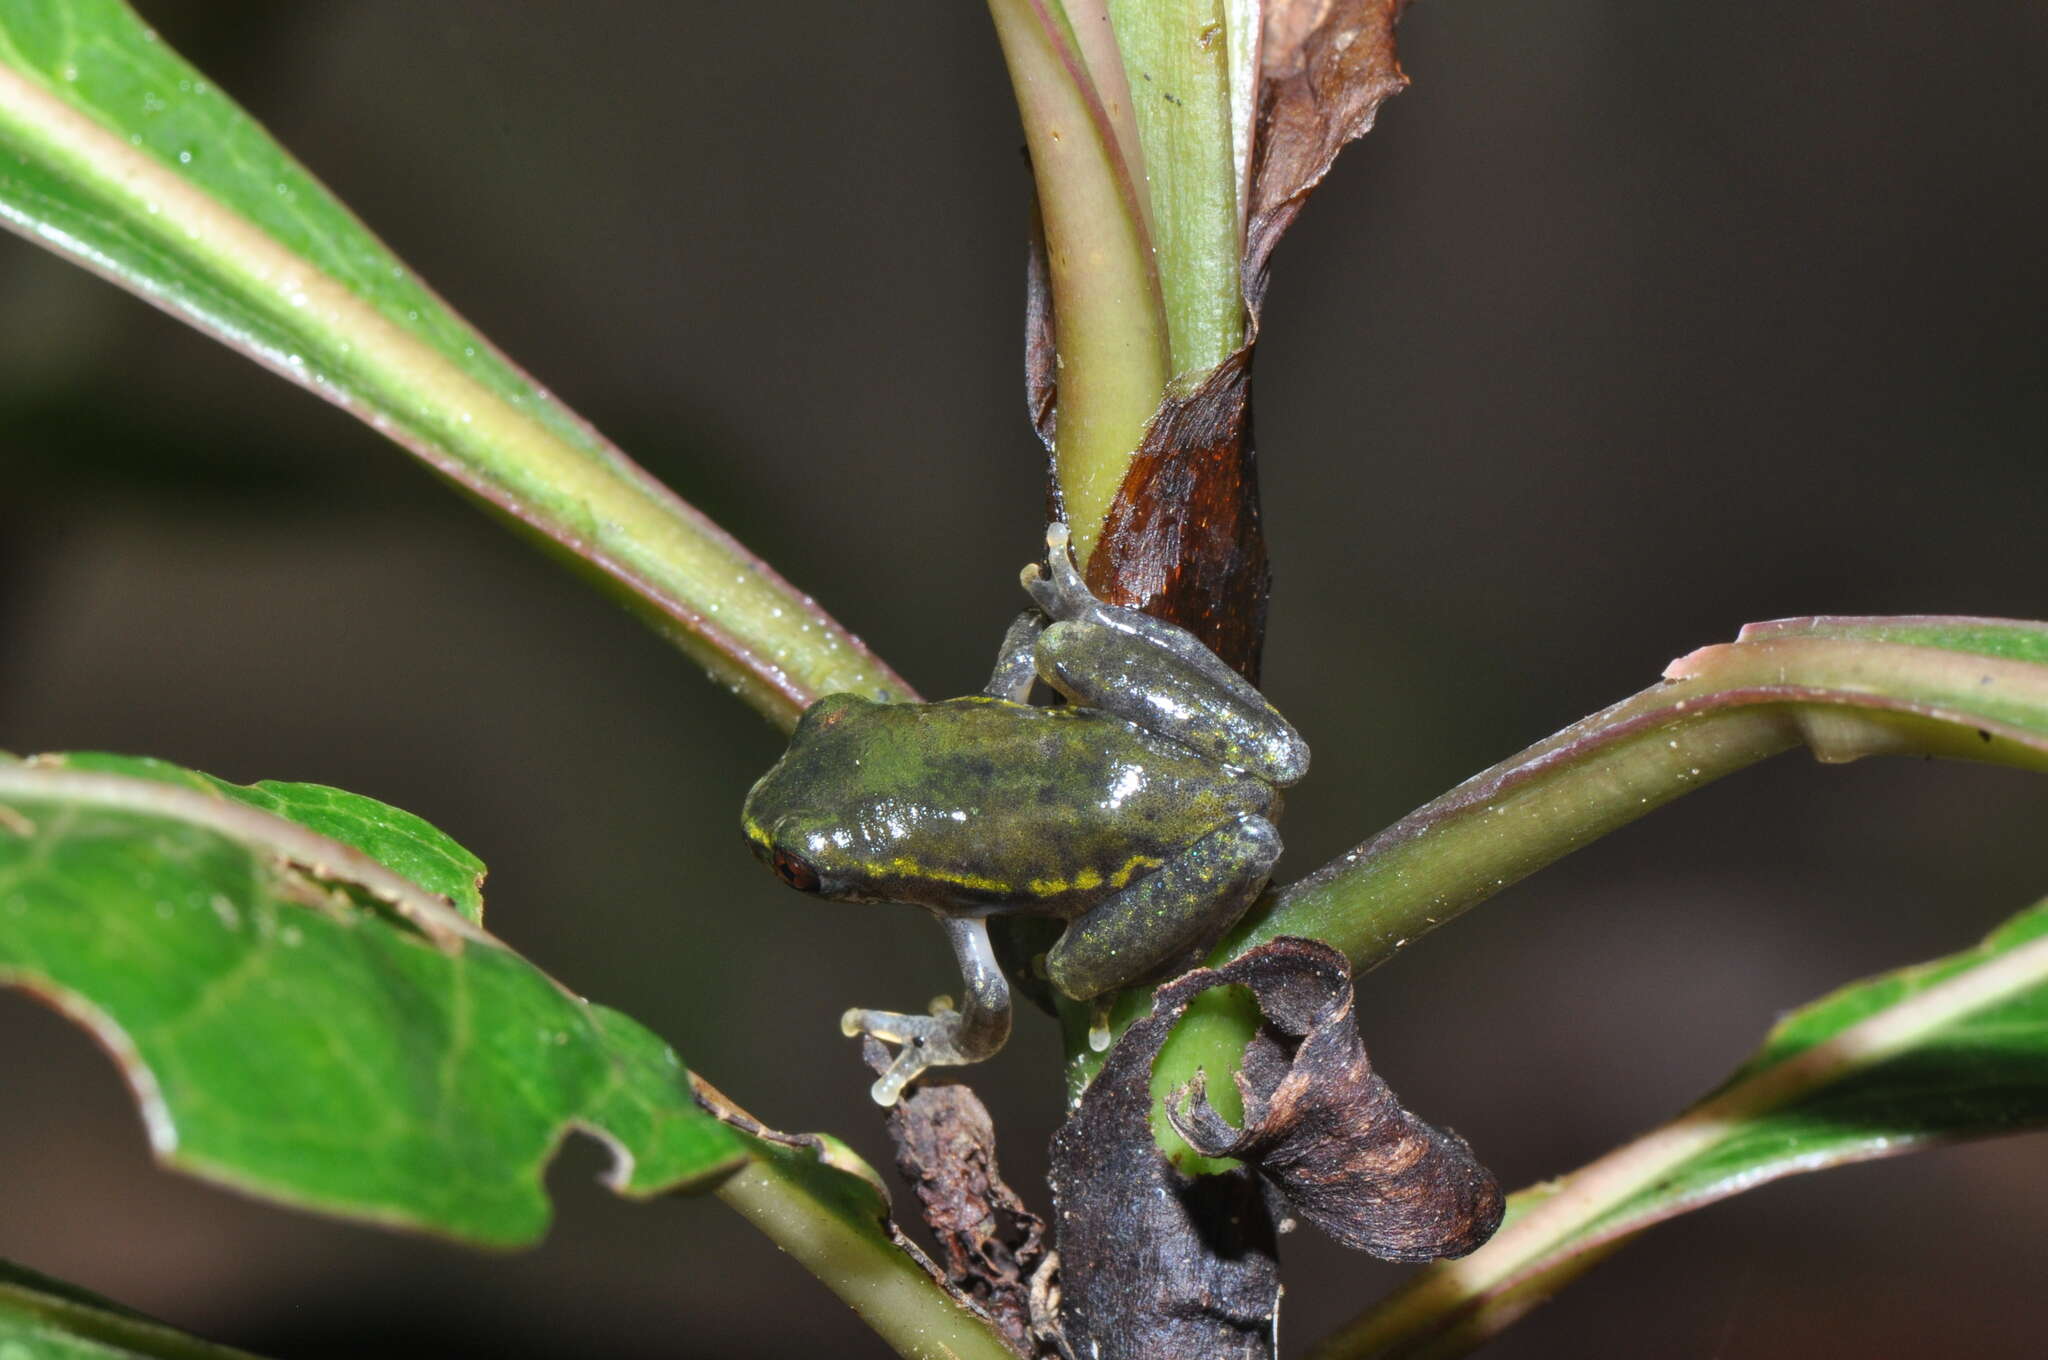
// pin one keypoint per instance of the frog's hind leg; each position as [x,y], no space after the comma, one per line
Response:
[1017,660]
[1155,674]
[947,1037]
[1227,721]
[1169,918]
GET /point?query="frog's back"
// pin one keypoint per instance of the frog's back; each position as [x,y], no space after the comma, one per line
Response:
[1019,808]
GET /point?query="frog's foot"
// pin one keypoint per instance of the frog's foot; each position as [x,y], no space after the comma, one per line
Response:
[945,1038]
[1063,594]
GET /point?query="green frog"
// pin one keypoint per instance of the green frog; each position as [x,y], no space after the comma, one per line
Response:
[1141,812]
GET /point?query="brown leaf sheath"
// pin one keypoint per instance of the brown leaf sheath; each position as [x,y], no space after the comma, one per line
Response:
[1183,539]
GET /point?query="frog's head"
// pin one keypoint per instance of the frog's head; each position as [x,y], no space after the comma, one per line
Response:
[794,817]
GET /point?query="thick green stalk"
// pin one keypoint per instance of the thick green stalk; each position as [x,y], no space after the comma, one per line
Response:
[812,1213]
[1177,61]
[118,155]
[1968,689]
[1110,327]
[1374,901]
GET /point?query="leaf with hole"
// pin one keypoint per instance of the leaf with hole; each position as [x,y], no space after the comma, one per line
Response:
[302,1022]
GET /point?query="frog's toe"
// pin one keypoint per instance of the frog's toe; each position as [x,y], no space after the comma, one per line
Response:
[927,1041]
[908,1067]
[1058,591]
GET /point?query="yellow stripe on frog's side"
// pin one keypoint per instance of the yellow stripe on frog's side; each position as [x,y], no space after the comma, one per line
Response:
[1084,880]
[906,867]
[1087,880]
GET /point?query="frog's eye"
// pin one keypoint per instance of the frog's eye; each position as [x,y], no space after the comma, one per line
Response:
[795,871]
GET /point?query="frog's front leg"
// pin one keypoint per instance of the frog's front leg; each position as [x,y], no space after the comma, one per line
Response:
[1169,918]
[947,1037]
[1017,659]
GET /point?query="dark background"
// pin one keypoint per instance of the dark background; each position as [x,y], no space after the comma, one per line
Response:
[1631,323]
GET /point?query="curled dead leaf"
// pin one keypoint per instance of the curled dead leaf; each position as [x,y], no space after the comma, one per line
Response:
[1325,1131]
[1325,67]
[1157,1263]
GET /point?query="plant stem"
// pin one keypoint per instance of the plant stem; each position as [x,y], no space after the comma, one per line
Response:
[1177,63]
[1560,1233]
[1726,708]
[420,376]
[836,1238]
[1110,327]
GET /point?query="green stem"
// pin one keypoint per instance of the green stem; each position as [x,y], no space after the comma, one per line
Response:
[1177,61]
[150,226]
[1110,327]
[836,1237]
[1562,1230]
[1724,709]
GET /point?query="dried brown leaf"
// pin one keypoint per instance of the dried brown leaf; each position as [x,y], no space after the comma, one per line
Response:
[1327,1132]
[1154,1263]
[993,1246]
[1326,67]
[1158,1264]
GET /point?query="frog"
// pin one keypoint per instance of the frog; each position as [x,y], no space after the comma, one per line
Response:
[1140,812]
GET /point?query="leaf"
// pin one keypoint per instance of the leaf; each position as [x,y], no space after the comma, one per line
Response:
[1183,540]
[1956,1048]
[994,1247]
[1894,685]
[395,838]
[300,1022]
[1326,67]
[45,1319]
[1325,1130]
[1160,1263]
[117,154]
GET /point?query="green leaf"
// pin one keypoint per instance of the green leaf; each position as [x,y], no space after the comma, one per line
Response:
[395,838]
[116,153]
[1956,1048]
[299,1021]
[45,1319]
